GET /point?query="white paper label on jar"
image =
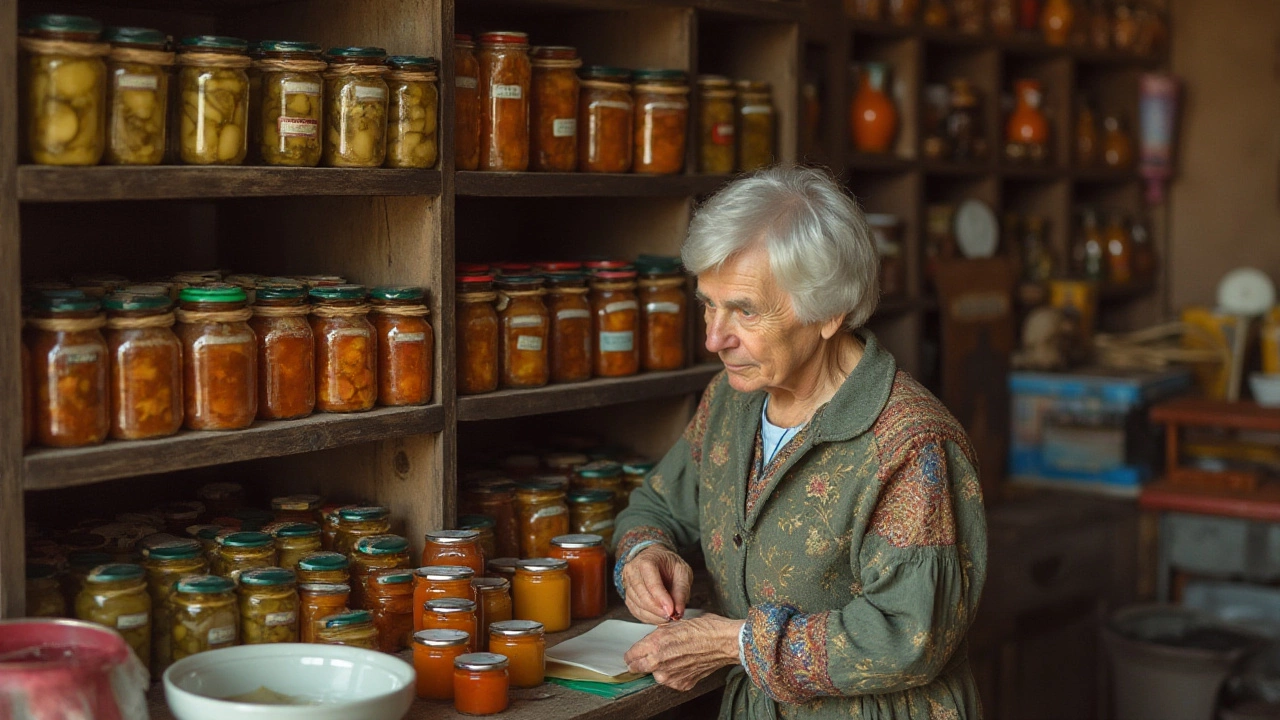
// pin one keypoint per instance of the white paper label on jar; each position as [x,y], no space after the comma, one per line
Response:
[408,337]
[298,127]
[573,314]
[620,306]
[526,321]
[564,127]
[222,635]
[277,619]
[129,81]
[662,307]
[597,525]
[508,92]
[364,92]
[301,87]
[465,82]
[129,622]
[532,343]
[615,104]
[617,341]
[241,339]
[550,511]
[757,110]
[665,106]
[722,134]
[349,332]
[78,354]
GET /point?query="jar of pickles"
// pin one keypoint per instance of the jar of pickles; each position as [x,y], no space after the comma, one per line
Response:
[716,126]
[65,83]
[482,524]
[498,502]
[406,345]
[268,606]
[116,596]
[452,614]
[505,78]
[220,358]
[357,522]
[541,592]
[165,565]
[525,325]
[615,320]
[137,95]
[553,137]
[466,102]
[606,109]
[440,581]
[355,92]
[542,515]
[756,131]
[454,547]
[295,541]
[353,628]
[664,314]
[292,102]
[433,654]
[570,336]
[524,644]
[203,615]
[317,601]
[146,367]
[346,352]
[244,550]
[297,509]
[478,333]
[413,111]
[69,372]
[481,685]
[592,511]
[214,89]
[373,553]
[661,122]
[588,572]
[493,604]
[323,567]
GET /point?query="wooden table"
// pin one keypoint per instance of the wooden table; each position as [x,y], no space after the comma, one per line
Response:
[1199,412]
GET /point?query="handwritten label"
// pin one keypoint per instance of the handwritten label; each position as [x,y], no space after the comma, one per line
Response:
[222,635]
[526,321]
[365,93]
[662,307]
[620,306]
[650,106]
[615,104]
[241,339]
[301,87]
[508,92]
[722,134]
[78,354]
[465,82]
[277,619]
[532,343]
[564,127]
[129,622]
[597,525]
[297,127]
[550,511]
[137,82]
[408,337]
[573,314]
[350,332]
[617,341]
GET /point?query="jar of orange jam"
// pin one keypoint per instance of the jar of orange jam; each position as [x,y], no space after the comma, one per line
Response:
[220,358]
[69,370]
[543,514]
[570,336]
[606,114]
[372,553]
[484,525]
[286,351]
[440,581]
[523,361]
[357,522]
[389,596]
[323,567]
[478,331]
[588,573]
[406,345]
[493,604]
[524,644]
[146,366]
[481,684]
[346,351]
[503,567]
[615,322]
[317,601]
[452,614]
[664,313]
[433,654]
[497,501]
[541,592]
[454,547]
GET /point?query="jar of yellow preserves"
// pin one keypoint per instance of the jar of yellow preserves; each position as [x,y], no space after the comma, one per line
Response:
[373,553]
[65,82]
[245,550]
[356,97]
[756,131]
[165,565]
[268,606]
[357,522]
[716,127]
[353,628]
[324,567]
[214,89]
[292,103]
[413,112]
[295,541]
[116,596]
[542,515]
[137,95]
[203,615]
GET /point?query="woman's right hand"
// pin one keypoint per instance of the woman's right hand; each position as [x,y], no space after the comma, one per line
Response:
[657,583]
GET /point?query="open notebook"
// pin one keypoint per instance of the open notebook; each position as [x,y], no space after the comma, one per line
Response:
[596,655]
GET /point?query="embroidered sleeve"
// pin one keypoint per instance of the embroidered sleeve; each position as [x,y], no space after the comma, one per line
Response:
[785,652]
[635,540]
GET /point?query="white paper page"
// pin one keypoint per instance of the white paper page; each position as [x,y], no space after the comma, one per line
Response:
[601,648]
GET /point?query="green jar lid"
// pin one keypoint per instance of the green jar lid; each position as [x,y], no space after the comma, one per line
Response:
[205,585]
[41,571]
[338,292]
[217,293]
[288,46]
[245,539]
[475,522]
[129,302]
[356,52]
[599,469]
[176,550]
[399,577]
[87,558]
[606,72]
[658,75]
[658,265]
[398,292]
[136,36]
[214,42]
[323,562]
[347,618]
[115,572]
[382,545]
[520,282]
[412,62]
[61,24]
[297,530]
[641,467]
[565,279]
[65,301]
[539,486]
[273,291]
[363,513]
[591,496]
[267,577]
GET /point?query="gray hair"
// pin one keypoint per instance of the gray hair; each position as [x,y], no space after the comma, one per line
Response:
[820,247]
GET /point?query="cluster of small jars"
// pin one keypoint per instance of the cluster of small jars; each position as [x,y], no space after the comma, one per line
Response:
[952,122]
[109,359]
[1111,247]
[104,96]
[524,325]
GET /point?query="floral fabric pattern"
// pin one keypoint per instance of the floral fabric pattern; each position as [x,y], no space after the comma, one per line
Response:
[796,672]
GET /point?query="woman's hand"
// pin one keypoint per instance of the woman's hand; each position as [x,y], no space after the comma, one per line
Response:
[657,582]
[679,654]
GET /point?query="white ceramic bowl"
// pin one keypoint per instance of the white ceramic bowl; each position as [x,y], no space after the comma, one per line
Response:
[1266,389]
[345,683]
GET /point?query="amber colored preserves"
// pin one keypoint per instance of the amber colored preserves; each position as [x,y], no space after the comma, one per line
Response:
[570,337]
[413,113]
[756,131]
[146,367]
[481,685]
[346,351]
[116,596]
[525,325]
[661,123]
[503,567]
[478,332]
[440,581]
[493,604]
[466,102]
[317,601]
[541,592]
[524,644]
[389,596]
[324,567]
[244,550]
[553,132]
[592,511]
[542,514]
[371,554]
[359,521]
[615,320]
[353,628]
[606,112]
[505,78]
[452,614]
[454,547]
[406,345]
[286,352]
[664,318]
[588,572]
[498,502]
[69,370]
[716,127]
[1117,145]
[433,654]
[220,358]
[355,95]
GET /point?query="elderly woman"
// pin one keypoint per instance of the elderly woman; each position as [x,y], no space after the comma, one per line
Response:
[835,500]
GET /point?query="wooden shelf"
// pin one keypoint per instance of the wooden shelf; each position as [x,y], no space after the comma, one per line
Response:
[741,9]
[1032,172]
[953,169]
[885,162]
[41,183]
[530,184]
[579,396]
[1104,175]
[50,468]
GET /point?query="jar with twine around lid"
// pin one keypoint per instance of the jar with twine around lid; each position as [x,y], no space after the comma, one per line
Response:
[65,81]
[606,110]
[406,345]
[525,326]
[478,331]
[553,134]
[68,370]
[292,102]
[346,351]
[662,121]
[413,126]
[286,351]
[137,96]
[355,94]
[220,358]
[146,375]
[214,88]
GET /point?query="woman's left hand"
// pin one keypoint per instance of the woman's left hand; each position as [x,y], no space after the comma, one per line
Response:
[681,653]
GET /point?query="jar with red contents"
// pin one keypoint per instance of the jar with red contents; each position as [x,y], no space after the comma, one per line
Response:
[615,322]
[69,372]
[454,547]
[481,684]
[506,75]
[433,654]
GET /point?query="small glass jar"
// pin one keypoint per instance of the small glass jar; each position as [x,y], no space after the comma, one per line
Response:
[165,565]
[484,525]
[64,85]
[286,352]
[295,541]
[302,508]
[220,358]
[116,596]
[664,314]
[454,547]
[373,553]
[615,321]
[607,113]
[346,352]
[661,122]
[413,127]
[70,370]
[355,124]
[498,502]
[570,336]
[406,345]
[600,475]
[353,628]
[493,604]
[324,567]
[541,592]
[503,567]
[214,89]
[505,78]
[542,514]
[633,474]
[466,103]
[317,601]
[756,131]
[433,654]
[588,572]
[481,685]
[137,96]
[44,596]
[389,596]
[452,614]
[146,367]
[244,550]
[525,325]
[203,615]
[524,644]
[592,511]
[290,113]
[179,516]
[360,521]
[716,126]
[268,606]
[478,335]
[221,498]
[79,564]
[553,135]
[433,582]
[329,523]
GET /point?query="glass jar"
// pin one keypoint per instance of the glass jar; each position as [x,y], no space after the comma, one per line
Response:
[433,654]
[440,581]
[355,124]
[406,345]
[542,514]
[324,567]
[413,127]
[661,122]
[633,474]
[43,595]
[373,553]
[454,547]
[220,358]
[291,107]
[79,564]
[1119,247]
[1117,145]
[525,326]
[346,353]
[498,502]
[146,367]
[493,604]
[607,112]
[480,684]
[564,464]
[64,84]
[389,596]
[295,541]
[756,131]
[317,601]
[329,523]
[215,100]
[353,628]
[466,103]
[360,521]
[716,127]
[553,135]
[165,565]
[570,336]
[478,333]
[524,644]
[615,320]
[505,78]
[503,567]
[484,525]
[203,615]
[268,606]
[297,509]
[244,550]
[664,315]
[221,498]
[69,370]
[137,96]
[599,475]
[452,614]
[592,511]
[116,596]
[588,572]
[541,592]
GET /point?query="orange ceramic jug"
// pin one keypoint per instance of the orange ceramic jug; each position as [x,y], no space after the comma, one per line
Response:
[873,117]
[1027,133]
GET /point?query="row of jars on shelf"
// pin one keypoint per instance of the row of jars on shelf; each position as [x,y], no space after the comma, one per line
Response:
[1116,252]
[528,325]
[520,108]
[228,363]
[93,97]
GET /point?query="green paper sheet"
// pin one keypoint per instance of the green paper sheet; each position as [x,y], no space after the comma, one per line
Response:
[606,690]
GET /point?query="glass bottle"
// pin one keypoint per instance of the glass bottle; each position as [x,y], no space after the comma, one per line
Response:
[1093,258]
[553,123]
[525,325]
[1117,145]
[43,595]
[478,333]
[220,358]
[291,105]
[498,502]
[874,115]
[466,101]
[406,345]
[138,70]
[65,82]
[505,79]
[664,313]
[1027,132]
[1124,26]
[1057,18]
[452,614]
[213,88]
[592,511]
[355,92]
[70,361]
[286,352]
[1119,250]
[484,525]
[413,127]
[346,350]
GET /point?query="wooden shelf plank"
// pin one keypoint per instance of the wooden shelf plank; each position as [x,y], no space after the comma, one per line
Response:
[530,184]
[769,10]
[49,468]
[578,396]
[40,183]
[887,162]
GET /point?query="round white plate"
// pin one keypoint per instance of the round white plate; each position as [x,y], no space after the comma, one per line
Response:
[977,232]
[1246,291]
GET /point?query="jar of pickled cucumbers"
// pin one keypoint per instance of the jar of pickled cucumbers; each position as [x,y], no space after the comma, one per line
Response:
[542,515]
[716,126]
[662,121]
[607,112]
[317,601]
[357,522]
[413,128]
[350,627]
[525,325]
[220,358]
[756,132]
[286,352]
[214,89]
[44,596]
[65,80]
[373,553]
[478,331]
[116,596]
[146,367]
[346,351]
[165,565]
[268,606]
[406,345]
[244,550]
[324,567]
[355,93]
[292,102]
[615,322]
[204,615]
[505,77]
[466,101]
[553,122]
[137,95]
[389,597]
[69,370]
[295,541]
[570,337]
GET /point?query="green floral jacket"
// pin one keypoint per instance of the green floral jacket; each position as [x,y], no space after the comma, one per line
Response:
[857,557]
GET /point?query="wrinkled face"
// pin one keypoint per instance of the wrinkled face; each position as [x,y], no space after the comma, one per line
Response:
[751,324]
